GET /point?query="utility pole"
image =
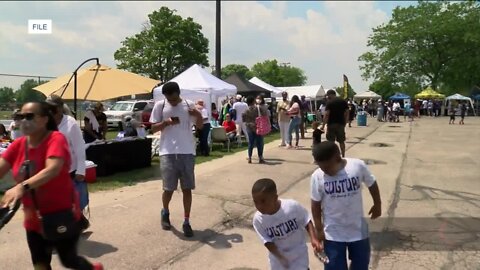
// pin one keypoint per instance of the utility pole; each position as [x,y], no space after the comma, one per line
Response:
[218,52]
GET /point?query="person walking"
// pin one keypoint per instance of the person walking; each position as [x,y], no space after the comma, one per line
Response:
[240,107]
[336,117]
[205,130]
[351,113]
[380,111]
[337,207]
[40,162]
[304,109]
[295,121]
[173,118]
[463,110]
[69,127]
[283,118]
[249,118]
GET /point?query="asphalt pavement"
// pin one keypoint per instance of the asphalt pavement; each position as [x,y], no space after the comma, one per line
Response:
[427,172]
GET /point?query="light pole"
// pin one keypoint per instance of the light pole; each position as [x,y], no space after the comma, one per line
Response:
[218,53]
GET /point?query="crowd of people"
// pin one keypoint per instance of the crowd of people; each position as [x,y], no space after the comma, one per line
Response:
[47,159]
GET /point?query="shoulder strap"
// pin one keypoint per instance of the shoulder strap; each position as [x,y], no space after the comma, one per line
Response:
[163,107]
[26,165]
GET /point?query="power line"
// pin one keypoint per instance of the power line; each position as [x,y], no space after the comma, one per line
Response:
[28,76]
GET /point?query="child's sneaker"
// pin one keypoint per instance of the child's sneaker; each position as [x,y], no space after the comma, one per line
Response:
[166,221]
[97,266]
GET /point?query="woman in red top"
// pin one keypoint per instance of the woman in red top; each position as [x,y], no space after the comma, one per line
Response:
[50,162]
[230,127]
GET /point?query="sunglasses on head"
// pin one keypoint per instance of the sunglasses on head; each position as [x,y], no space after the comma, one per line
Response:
[26,116]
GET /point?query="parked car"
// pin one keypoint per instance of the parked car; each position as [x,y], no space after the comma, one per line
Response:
[121,109]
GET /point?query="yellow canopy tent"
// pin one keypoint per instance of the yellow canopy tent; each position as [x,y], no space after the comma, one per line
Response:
[429,93]
[98,83]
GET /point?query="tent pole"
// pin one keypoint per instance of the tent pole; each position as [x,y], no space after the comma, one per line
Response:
[75,85]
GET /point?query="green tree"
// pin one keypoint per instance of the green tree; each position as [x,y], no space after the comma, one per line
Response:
[427,44]
[386,87]
[7,95]
[278,75]
[26,92]
[167,46]
[241,70]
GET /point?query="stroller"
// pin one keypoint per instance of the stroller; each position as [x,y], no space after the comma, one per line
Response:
[391,115]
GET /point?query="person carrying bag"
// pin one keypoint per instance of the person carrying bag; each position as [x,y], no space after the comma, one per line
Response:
[40,163]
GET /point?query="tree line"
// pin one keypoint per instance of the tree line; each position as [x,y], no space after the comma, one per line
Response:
[430,44]
[21,95]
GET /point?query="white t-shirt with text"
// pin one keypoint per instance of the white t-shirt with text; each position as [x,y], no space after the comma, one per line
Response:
[286,229]
[178,138]
[341,199]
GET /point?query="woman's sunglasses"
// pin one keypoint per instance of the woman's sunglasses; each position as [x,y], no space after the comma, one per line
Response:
[26,116]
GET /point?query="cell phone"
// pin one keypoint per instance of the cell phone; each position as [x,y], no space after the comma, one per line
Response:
[175,119]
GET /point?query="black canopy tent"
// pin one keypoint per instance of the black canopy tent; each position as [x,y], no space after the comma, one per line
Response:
[246,88]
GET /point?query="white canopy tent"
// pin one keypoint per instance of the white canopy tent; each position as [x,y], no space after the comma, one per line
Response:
[367,95]
[196,83]
[312,93]
[275,91]
[448,100]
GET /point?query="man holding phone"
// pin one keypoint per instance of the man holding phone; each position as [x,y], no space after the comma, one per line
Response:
[174,118]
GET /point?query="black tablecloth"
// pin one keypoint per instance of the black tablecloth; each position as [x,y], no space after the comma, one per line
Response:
[120,156]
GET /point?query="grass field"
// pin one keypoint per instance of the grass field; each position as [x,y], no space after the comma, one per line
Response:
[129,178]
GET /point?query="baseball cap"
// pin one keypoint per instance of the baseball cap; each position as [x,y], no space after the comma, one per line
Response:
[238,97]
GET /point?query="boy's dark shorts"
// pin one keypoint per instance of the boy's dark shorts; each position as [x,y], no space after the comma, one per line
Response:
[336,132]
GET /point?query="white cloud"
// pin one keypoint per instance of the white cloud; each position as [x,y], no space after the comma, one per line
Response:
[326,43]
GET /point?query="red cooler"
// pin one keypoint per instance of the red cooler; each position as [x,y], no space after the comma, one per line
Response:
[90,171]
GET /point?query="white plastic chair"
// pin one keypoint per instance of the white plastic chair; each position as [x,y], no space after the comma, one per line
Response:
[219,135]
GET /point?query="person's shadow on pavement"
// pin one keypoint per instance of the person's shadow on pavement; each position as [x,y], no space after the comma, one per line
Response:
[214,239]
[93,249]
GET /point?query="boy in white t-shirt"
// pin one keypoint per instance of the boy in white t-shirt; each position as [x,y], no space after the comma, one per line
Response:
[337,207]
[281,225]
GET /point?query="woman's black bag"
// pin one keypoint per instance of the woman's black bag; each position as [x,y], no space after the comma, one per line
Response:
[56,226]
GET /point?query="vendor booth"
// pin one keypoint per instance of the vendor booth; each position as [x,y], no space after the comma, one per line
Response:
[246,88]
[429,93]
[367,95]
[453,100]
[312,93]
[399,96]
[275,91]
[196,83]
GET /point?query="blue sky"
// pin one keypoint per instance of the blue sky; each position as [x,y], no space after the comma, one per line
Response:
[322,38]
